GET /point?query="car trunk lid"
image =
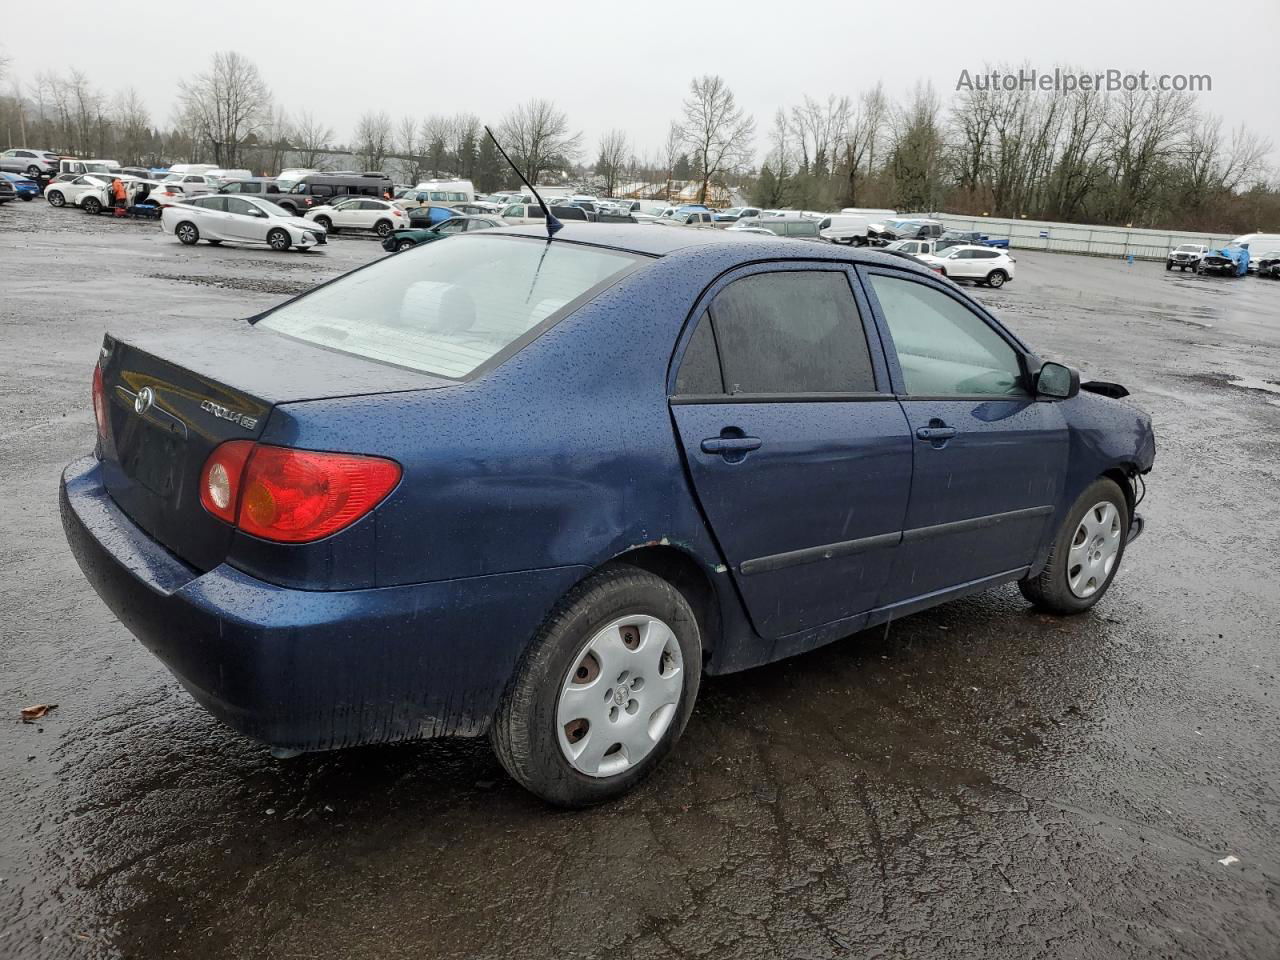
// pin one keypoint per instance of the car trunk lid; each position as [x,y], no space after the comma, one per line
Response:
[172,397]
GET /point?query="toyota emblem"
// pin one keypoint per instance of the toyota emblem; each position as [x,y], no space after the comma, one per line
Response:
[143,401]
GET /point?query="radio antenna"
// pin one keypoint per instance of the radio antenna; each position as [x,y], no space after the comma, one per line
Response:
[552,223]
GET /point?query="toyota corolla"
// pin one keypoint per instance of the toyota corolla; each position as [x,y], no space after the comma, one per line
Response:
[535,489]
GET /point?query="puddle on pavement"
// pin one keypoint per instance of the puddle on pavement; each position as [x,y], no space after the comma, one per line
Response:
[1255,383]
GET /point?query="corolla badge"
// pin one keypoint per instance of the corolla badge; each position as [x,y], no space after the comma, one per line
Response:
[225,413]
[143,401]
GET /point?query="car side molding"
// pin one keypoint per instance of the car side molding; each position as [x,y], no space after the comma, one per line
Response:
[845,548]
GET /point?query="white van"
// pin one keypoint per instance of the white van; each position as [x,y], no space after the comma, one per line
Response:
[845,228]
[220,173]
[1257,244]
[76,165]
[192,167]
[446,191]
[873,212]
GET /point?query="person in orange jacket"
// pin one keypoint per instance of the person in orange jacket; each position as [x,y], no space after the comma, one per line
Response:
[119,196]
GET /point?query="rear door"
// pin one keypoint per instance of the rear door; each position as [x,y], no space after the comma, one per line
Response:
[798,451]
[243,220]
[212,221]
[989,458]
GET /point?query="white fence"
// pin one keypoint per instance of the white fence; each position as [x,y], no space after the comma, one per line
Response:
[1080,238]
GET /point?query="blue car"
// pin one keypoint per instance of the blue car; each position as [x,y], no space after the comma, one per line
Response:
[23,187]
[535,489]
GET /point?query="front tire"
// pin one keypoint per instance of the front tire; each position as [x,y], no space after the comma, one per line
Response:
[187,233]
[402,245]
[33,172]
[326,223]
[57,199]
[1086,552]
[279,240]
[604,690]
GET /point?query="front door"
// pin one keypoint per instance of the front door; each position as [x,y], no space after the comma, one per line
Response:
[989,458]
[799,454]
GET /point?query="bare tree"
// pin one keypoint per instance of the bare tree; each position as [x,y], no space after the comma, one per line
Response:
[410,147]
[537,138]
[614,151]
[373,140]
[133,126]
[670,154]
[716,129]
[228,106]
[861,140]
[311,138]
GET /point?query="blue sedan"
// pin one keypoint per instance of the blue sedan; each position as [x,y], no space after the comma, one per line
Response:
[23,187]
[537,489]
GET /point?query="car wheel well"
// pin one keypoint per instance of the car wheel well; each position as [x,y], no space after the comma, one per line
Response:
[1123,478]
[684,573]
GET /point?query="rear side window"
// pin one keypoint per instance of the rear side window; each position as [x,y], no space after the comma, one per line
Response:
[447,308]
[792,332]
[700,367]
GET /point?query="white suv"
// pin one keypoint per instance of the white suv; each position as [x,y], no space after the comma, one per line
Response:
[973,262]
[359,213]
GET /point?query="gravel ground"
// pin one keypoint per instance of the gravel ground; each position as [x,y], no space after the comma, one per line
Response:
[976,780]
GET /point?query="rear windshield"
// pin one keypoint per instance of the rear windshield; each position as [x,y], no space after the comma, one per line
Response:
[448,307]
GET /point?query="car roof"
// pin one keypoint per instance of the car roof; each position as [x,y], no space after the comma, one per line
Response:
[662,241]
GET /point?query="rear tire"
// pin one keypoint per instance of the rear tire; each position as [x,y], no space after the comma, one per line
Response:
[187,233]
[1068,564]
[382,228]
[91,205]
[529,734]
[56,198]
[996,278]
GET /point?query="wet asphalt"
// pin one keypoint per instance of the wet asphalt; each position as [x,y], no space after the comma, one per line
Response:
[974,781]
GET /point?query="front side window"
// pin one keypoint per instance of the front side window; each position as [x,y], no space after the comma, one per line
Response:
[239,206]
[943,347]
[792,332]
[449,307]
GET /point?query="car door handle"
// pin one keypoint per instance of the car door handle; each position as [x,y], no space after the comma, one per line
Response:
[936,433]
[730,444]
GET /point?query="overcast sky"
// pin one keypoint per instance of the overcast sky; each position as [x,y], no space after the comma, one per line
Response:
[629,65]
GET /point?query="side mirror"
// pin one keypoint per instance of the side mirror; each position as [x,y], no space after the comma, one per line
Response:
[1058,381]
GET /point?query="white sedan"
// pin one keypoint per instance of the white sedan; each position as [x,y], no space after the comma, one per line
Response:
[222,217]
[973,262]
[360,213]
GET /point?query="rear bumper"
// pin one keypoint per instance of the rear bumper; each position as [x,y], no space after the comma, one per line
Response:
[311,670]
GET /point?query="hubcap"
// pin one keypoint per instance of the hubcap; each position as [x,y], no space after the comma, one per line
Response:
[1094,548]
[619,696]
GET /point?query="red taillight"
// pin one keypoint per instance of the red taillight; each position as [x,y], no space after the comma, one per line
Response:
[100,403]
[292,496]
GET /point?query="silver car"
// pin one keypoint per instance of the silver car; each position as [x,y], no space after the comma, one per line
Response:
[30,163]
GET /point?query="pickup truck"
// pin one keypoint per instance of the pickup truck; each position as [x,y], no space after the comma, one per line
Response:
[955,237]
